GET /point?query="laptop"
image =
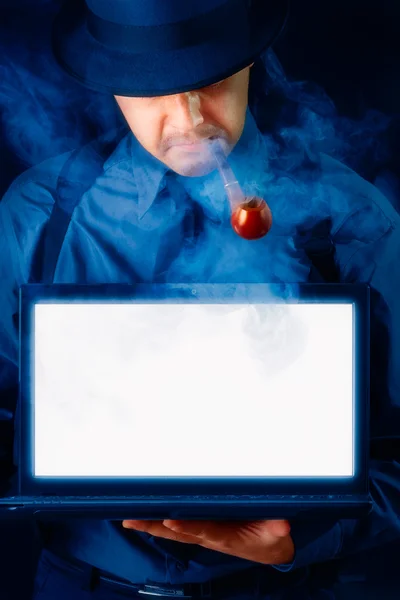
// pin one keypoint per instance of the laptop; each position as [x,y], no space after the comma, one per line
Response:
[192,402]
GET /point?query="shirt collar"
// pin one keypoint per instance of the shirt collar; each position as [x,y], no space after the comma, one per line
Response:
[148,173]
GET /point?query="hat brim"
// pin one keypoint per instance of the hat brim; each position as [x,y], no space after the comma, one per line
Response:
[111,71]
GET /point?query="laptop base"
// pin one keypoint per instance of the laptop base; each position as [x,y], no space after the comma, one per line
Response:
[168,508]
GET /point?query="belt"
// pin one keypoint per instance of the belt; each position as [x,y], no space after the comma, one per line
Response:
[91,578]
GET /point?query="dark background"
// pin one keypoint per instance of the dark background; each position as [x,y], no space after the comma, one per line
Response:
[349,47]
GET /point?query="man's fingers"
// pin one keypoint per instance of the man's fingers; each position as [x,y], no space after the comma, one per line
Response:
[279,528]
[158,529]
[266,542]
[214,531]
[231,537]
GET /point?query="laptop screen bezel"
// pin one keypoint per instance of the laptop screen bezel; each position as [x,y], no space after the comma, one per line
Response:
[356,294]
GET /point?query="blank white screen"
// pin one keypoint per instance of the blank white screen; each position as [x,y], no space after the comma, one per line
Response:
[193,390]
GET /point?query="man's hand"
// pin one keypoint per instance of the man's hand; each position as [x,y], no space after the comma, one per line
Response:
[266,542]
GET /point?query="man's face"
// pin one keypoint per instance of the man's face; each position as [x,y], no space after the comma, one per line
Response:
[172,127]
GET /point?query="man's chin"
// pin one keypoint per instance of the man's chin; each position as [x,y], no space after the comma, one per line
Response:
[190,168]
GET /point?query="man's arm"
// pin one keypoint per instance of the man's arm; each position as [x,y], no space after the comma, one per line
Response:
[8,351]
[24,211]
[368,251]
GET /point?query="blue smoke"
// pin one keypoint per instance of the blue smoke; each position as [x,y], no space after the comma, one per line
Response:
[43,111]
[303,120]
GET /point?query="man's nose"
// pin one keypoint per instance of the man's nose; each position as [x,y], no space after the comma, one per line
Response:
[187,111]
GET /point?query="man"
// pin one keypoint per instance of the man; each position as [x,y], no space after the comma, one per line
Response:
[157,211]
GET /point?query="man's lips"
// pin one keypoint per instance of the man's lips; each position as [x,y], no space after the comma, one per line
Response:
[195,145]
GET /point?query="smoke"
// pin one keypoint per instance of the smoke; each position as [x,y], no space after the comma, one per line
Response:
[302,120]
[276,336]
[43,112]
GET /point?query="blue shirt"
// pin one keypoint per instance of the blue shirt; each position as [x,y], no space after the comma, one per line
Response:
[141,222]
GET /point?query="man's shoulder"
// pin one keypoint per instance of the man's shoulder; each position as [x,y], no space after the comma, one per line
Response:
[28,203]
[24,211]
[35,187]
[359,208]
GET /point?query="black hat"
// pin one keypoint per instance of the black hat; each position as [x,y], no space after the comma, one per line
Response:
[161,47]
